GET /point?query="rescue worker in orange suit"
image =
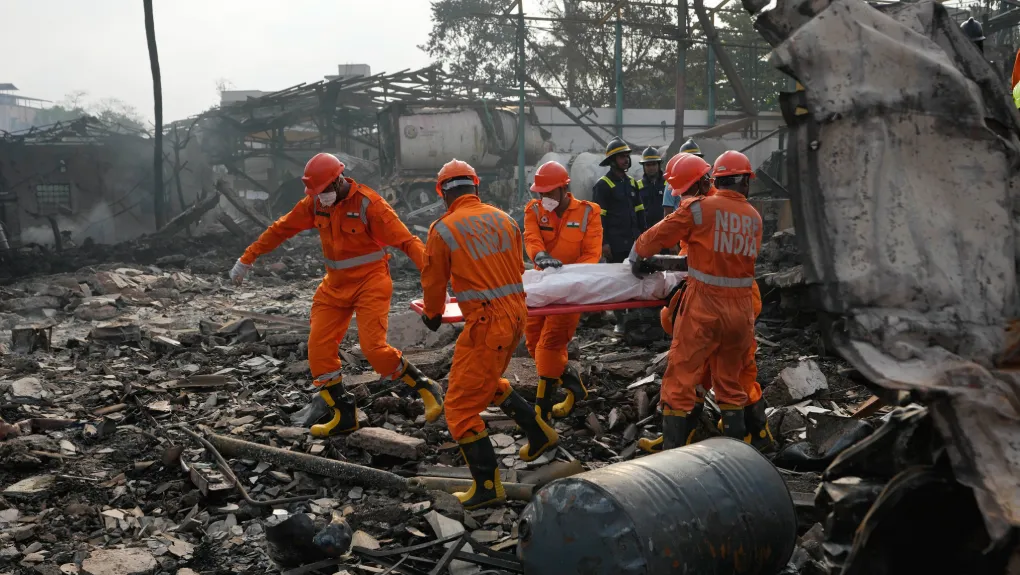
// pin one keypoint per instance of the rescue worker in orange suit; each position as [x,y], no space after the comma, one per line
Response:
[354,223]
[714,329]
[479,249]
[670,200]
[558,229]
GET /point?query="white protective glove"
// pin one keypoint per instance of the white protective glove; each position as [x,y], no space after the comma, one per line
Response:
[238,272]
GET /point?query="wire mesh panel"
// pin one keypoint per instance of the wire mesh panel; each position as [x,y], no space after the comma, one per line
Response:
[52,198]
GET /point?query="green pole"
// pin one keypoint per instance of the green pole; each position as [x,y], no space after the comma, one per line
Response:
[521,193]
[710,66]
[619,77]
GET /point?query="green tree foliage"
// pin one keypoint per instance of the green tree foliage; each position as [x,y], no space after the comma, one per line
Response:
[574,58]
[117,113]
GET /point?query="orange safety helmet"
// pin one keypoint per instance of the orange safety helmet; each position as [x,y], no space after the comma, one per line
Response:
[321,171]
[686,170]
[732,163]
[550,176]
[455,173]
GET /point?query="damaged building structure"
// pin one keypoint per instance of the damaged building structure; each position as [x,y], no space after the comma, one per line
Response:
[147,405]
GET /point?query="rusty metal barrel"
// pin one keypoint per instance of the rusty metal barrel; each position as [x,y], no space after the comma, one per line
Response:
[715,507]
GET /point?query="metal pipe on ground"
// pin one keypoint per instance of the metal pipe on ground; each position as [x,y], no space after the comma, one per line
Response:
[348,472]
[714,507]
[514,491]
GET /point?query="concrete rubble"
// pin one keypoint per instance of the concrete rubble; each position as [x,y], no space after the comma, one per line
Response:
[90,424]
[135,359]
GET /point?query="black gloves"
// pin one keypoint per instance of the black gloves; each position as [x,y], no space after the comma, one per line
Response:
[544,260]
[640,268]
[432,323]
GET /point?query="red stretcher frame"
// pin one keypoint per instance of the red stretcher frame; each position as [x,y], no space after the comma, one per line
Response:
[452,312]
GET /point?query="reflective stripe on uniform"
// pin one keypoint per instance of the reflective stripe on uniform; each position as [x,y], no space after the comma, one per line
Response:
[719,281]
[538,214]
[364,211]
[696,212]
[603,212]
[444,232]
[640,184]
[1016,95]
[355,261]
[639,207]
[584,220]
[490,294]
[608,181]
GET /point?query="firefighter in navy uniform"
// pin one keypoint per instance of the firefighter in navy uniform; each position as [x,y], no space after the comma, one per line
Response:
[623,213]
[975,32]
[652,185]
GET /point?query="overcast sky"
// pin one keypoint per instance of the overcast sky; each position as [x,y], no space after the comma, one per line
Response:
[54,47]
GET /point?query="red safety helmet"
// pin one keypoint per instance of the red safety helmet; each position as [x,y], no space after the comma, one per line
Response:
[685,171]
[669,164]
[550,176]
[455,173]
[321,171]
[732,163]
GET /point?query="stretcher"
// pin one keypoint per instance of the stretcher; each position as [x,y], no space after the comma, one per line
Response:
[452,313]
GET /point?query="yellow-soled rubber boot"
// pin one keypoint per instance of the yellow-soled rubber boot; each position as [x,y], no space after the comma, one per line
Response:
[675,423]
[694,419]
[674,428]
[544,396]
[576,391]
[541,437]
[345,413]
[486,488]
[731,424]
[649,445]
[427,389]
[758,427]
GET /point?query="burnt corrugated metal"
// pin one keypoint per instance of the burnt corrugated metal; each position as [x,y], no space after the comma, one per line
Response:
[715,507]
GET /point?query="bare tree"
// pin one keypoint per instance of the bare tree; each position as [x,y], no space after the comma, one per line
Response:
[159,197]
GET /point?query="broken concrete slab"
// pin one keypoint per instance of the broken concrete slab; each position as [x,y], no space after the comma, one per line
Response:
[406,330]
[797,383]
[116,333]
[22,305]
[30,486]
[27,390]
[119,562]
[446,527]
[379,440]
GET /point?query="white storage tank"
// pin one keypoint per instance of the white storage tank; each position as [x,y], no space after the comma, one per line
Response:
[431,137]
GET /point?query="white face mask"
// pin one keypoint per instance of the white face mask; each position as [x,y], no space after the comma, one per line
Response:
[327,198]
[549,204]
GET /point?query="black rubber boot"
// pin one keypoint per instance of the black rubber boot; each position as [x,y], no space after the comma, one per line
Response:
[572,384]
[344,409]
[544,396]
[674,428]
[732,422]
[428,390]
[486,487]
[694,420]
[541,437]
[757,426]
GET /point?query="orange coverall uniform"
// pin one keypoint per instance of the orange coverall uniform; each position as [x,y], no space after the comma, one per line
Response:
[353,232]
[575,238]
[715,327]
[480,247]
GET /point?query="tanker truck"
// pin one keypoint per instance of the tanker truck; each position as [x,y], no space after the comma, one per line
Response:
[415,140]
